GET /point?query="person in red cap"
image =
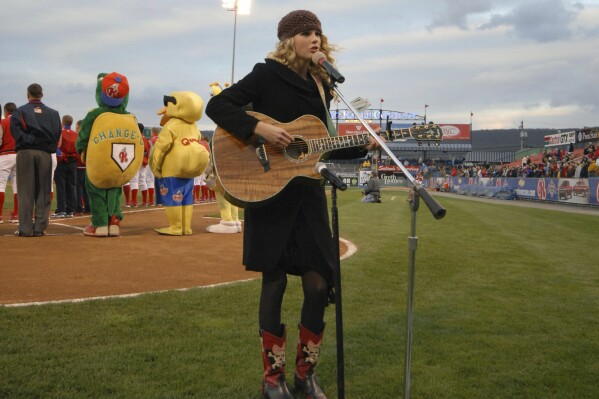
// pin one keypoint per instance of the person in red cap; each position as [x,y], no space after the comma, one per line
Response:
[111,145]
[290,234]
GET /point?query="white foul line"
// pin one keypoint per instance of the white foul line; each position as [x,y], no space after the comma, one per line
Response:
[351,250]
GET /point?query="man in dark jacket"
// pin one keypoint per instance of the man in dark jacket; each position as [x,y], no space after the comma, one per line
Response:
[36,129]
[372,191]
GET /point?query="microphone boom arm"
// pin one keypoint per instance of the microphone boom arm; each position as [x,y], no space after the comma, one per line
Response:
[436,209]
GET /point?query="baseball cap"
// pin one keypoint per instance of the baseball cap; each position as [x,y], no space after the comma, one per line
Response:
[115,88]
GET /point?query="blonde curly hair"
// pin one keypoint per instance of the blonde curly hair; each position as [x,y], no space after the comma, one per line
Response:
[284,53]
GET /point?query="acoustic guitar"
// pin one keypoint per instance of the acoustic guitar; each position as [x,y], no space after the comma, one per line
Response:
[250,171]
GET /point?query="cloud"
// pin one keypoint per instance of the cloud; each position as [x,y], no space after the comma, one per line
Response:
[541,21]
[498,58]
[456,12]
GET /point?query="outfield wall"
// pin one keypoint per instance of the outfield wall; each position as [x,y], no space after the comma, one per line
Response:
[567,191]
[570,191]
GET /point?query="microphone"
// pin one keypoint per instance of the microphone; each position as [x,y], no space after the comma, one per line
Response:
[320,59]
[322,170]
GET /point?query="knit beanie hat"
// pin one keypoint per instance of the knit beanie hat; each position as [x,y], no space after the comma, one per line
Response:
[115,88]
[296,22]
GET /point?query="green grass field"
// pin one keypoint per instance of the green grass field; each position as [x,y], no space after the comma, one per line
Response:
[506,306]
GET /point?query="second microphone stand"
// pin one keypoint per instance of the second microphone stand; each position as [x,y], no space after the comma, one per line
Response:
[437,211]
[338,304]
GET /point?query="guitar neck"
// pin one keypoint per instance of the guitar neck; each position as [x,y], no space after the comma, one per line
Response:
[336,143]
[357,140]
[407,133]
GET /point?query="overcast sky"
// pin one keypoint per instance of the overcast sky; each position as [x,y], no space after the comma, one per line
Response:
[505,61]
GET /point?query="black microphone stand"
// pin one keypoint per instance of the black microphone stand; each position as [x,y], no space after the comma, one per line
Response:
[412,244]
[337,184]
[338,305]
[437,211]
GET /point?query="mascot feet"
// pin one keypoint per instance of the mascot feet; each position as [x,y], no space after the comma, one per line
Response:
[167,231]
[176,216]
[114,227]
[224,228]
[93,231]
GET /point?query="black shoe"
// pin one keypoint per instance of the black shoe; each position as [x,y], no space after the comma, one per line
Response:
[309,386]
[38,233]
[19,234]
[279,391]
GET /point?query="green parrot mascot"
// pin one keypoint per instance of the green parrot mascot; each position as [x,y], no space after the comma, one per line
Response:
[111,145]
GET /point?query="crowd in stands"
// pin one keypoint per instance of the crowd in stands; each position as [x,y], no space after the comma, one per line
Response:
[549,163]
[556,163]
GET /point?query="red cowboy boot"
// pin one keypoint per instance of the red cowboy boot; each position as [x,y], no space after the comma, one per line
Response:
[308,350]
[273,358]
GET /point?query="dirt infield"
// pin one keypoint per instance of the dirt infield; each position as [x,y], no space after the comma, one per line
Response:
[66,265]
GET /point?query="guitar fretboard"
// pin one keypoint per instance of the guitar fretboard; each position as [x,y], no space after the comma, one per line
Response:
[355,140]
[336,143]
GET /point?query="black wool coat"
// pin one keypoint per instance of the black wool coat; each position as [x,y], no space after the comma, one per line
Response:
[292,231]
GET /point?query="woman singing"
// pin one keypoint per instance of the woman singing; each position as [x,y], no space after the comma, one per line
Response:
[290,234]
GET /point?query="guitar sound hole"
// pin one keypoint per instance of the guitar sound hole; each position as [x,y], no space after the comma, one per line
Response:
[297,150]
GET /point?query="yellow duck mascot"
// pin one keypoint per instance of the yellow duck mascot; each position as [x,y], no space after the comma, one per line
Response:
[229,213]
[177,157]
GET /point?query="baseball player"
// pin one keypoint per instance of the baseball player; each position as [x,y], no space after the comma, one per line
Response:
[8,162]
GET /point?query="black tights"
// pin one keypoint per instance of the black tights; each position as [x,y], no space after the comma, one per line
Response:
[274,284]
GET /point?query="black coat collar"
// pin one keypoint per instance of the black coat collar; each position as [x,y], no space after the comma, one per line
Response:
[290,76]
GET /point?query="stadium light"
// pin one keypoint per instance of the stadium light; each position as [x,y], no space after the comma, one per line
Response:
[241,7]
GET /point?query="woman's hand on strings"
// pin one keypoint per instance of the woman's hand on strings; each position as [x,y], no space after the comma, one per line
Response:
[374,145]
[273,134]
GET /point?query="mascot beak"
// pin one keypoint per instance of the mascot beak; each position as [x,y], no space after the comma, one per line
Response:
[165,118]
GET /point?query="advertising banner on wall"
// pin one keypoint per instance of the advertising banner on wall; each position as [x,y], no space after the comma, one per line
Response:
[345,129]
[587,134]
[553,140]
[570,191]
[350,178]
[456,131]
[386,169]
[594,190]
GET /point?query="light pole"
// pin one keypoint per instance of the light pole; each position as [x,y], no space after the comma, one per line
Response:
[241,7]
[523,135]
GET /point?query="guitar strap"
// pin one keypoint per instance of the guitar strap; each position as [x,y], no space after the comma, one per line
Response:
[330,125]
